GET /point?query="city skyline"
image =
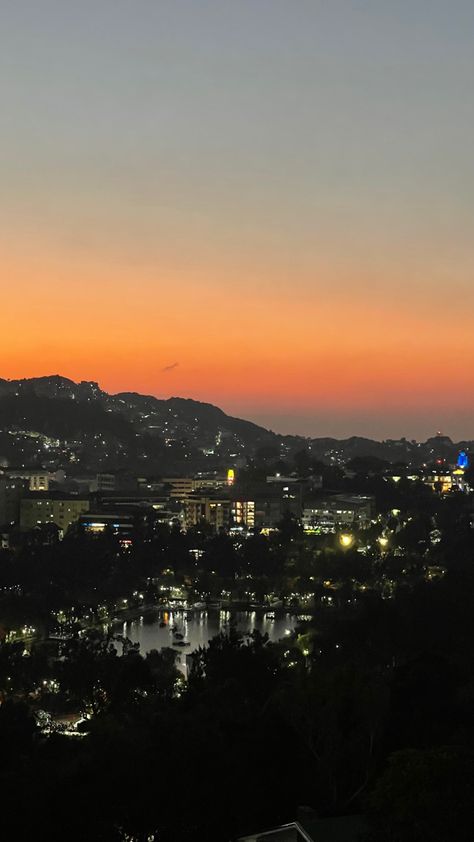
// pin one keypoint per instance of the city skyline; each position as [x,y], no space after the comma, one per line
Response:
[262,206]
[237,420]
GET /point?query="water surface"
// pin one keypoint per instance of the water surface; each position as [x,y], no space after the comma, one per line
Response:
[200,626]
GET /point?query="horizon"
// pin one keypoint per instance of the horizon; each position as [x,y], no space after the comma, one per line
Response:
[255,418]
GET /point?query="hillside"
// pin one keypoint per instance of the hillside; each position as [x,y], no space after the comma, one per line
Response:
[54,420]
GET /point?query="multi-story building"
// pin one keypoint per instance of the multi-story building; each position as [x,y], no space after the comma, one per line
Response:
[445,481]
[39,482]
[141,503]
[180,487]
[243,513]
[216,511]
[37,479]
[120,523]
[440,479]
[61,509]
[338,512]
[202,483]
[264,505]
[313,482]
[11,491]
[105,483]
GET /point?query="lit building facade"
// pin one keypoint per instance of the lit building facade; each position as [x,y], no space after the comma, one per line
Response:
[338,512]
[39,482]
[38,509]
[216,512]
[264,505]
[117,522]
[243,513]
[445,481]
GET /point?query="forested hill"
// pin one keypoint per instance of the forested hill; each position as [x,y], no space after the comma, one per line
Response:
[174,433]
[25,401]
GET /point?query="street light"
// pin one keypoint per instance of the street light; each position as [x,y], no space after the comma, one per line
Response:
[346,540]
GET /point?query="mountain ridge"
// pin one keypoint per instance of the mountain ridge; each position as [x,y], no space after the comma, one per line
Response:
[194,433]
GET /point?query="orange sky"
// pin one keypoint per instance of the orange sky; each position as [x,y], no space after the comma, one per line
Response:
[179,331]
[264,206]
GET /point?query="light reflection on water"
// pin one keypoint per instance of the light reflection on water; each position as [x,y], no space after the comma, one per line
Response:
[200,626]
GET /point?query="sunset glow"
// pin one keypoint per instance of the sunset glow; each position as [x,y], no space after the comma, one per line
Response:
[194,244]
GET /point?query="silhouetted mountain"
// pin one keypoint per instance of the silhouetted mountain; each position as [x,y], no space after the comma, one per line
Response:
[52,386]
[61,418]
[93,429]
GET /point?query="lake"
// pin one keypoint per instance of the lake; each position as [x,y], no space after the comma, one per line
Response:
[200,626]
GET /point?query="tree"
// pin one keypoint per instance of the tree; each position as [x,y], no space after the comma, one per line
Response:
[424,796]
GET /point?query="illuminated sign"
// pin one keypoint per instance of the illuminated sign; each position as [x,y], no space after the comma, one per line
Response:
[463,460]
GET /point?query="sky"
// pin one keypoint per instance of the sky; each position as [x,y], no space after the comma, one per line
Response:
[263,204]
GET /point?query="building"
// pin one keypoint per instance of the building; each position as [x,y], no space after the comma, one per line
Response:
[264,505]
[39,482]
[446,481]
[243,513]
[37,479]
[124,517]
[180,487]
[105,483]
[141,503]
[215,511]
[52,507]
[11,491]
[271,508]
[206,483]
[151,484]
[338,512]
[279,478]
[119,523]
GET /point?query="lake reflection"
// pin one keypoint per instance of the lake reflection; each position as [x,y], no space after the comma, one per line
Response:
[200,626]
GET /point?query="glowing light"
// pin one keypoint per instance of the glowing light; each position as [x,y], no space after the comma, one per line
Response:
[346,540]
[383,541]
[230,476]
[463,460]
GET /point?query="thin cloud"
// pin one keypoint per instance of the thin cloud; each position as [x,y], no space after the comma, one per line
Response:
[170,367]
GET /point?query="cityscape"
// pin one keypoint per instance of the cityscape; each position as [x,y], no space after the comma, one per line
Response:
[237,421]
[300,577]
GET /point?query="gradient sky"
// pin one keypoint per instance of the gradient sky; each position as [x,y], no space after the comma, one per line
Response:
[265,204]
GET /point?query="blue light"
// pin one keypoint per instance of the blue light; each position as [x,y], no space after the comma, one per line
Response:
[463,460]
